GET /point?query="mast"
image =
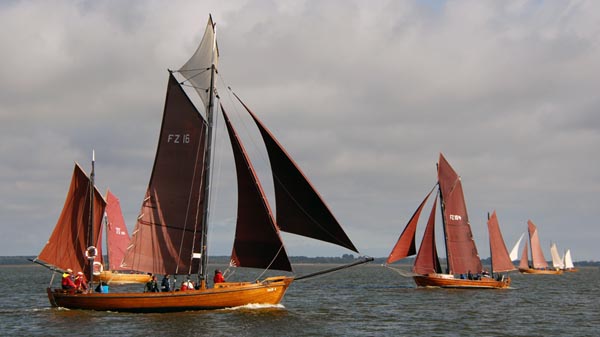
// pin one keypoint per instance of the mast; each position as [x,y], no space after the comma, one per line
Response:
[442,209]
[91,224]
[202,272]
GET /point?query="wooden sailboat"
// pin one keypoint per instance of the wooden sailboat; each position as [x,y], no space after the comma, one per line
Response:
[170,236]
[464,269]
[539,263]
[117,240]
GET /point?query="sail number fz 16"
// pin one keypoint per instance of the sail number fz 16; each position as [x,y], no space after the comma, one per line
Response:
[176,138]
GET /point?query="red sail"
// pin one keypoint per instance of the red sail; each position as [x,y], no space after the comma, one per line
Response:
[499,254]
[67,245]
[300,208]
[524,263]
[461,249]
[427,260]
[257,242]
[537,256]
[168,231]
[405,246]
[117,237]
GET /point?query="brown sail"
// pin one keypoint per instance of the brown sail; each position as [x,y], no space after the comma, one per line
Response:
[405,246]
[117,237]
[461,250]
[499,254]
[68,243]
[427,260]
[168,231]
[300,208]
[524,263]
[537,256]
[257,242]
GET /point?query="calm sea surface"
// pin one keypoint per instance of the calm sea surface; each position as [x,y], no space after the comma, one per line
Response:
[366,300]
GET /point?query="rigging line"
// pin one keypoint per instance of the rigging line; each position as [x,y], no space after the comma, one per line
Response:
[270,263]
[200,72]
[400,271]
[365,259]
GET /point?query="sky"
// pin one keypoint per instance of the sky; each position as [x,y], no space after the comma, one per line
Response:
[363,94]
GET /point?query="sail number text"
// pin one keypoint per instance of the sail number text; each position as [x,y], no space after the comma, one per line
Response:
[176,138]
[455,217]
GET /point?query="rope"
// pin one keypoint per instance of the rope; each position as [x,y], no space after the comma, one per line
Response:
[400,271]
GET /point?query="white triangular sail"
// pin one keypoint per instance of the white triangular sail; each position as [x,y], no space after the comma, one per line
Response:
[557,262]
[568,260]
[197,70]
[514,253]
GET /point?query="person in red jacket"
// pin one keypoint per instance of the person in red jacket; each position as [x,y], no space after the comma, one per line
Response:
[67,282]
[218,277]
[80,282]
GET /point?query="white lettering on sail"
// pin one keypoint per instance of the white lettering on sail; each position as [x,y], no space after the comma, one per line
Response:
[455,217]
[178,138]
[119,232]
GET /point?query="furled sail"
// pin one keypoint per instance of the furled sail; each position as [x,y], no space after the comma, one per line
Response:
[68,243]
[499,254]
[524,263]
[405,246]
[461,250]
[257,242]
[537,256]
[300,208]
[168,231]
[197,70]
[117,237]
[427,260]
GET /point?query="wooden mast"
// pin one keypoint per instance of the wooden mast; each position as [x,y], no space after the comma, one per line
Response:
[90,251]
[442,207]
[202,272]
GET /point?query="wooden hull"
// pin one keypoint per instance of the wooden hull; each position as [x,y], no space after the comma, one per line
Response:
[540,271]
[224,295]
[111,277]
[448,281]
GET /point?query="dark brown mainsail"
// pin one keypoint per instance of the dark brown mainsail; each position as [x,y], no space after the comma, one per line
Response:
[68,243]
[168,230]
[460,247]
[501,261]
[257,243]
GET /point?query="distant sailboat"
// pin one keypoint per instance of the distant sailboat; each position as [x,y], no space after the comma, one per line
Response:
[539,263]
[464,268]
[514,253]
[117,241]
[557,261]
[569,266]
[171,233]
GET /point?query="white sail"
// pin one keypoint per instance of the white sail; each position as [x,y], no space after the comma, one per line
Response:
[556,260]
[514,253]
[197,70]
[568,260]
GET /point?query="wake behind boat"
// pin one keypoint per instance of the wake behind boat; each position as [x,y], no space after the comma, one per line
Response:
[464,268]
[171,233]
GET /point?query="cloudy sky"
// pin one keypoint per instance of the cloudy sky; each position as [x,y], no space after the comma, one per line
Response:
[363,94]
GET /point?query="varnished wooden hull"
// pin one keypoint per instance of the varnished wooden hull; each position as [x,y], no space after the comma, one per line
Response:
[540,271]
[121,278]
[436,280]
[225,295]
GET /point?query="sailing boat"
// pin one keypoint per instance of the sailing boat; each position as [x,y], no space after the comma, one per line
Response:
[540,265]
[569,266]
[117,241]
[514,253]
[171,237]
[461,252]
[557,261]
